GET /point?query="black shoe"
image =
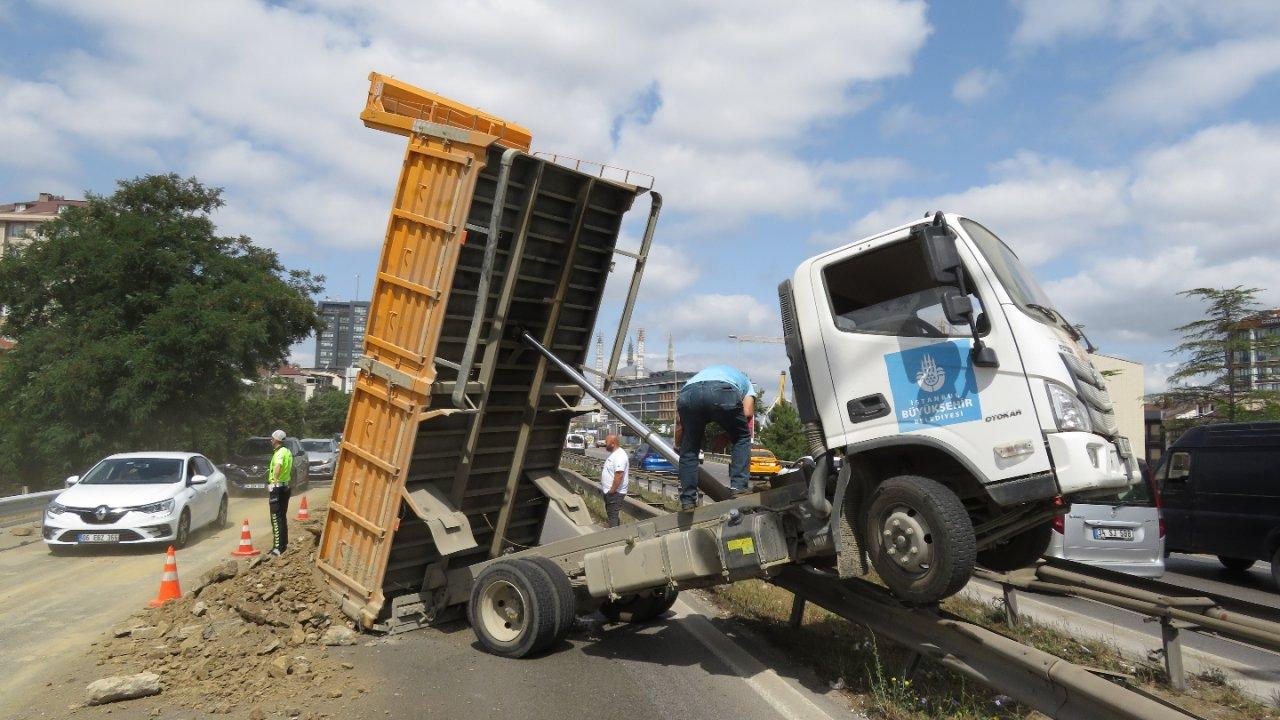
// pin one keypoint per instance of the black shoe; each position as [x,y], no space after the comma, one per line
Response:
[740,493]
[684,507]
[275,552]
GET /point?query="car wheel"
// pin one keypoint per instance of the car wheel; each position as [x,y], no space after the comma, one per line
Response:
[920,539]
[183,535]
[1018,551]
[221,521]
[1235,564]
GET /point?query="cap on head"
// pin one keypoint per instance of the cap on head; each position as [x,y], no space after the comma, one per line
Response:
[278,436]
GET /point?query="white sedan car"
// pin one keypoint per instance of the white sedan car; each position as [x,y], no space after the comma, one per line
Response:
[132,498]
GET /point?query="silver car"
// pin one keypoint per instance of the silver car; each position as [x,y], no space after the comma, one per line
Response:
[322,456]
[1122,532]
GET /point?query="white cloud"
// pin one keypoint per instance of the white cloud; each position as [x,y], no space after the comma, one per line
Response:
[1180,87]
[1046,22]
[716,316]
[975,85]
[1217,190]
[1197,212]
[1041,207]
[716,100]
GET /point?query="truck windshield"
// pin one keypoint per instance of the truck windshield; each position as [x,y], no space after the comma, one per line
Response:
[1015,277]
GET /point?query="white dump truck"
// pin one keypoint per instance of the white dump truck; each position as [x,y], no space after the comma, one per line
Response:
[950,411]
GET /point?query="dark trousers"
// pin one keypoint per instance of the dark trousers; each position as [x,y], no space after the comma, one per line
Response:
[699,404]
[613,506]
[278,500]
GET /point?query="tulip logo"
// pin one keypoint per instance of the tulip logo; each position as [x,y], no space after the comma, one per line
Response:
[930,377]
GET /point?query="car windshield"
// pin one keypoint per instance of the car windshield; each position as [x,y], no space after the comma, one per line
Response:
[256,446]
[134,471]
[1013,275]
[1139,495]
[317,445]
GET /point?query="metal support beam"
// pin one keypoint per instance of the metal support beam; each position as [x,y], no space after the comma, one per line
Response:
[624,322]
[534,398]
[1011,605]
[1172,642]
[797,612]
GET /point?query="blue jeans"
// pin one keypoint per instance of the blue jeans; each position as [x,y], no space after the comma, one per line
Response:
[699,404]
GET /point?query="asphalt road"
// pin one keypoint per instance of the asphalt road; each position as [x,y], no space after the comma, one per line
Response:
[690,664]
[52,607]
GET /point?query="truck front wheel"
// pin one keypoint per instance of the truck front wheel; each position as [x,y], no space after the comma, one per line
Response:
[920,539]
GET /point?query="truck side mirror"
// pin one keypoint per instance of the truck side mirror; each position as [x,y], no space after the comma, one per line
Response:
[938,247]
[957,308]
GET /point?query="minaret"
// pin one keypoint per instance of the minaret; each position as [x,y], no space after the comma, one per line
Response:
[671,354]
[599,360]
[631,353]
[640,353]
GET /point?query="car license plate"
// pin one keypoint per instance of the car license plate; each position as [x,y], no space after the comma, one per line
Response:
[1113,534]
[254,486]
[99,537]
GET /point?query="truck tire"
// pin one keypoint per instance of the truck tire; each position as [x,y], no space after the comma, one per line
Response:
[566,601]
[513,609]
[1019,551]
[919,538]
[641,607]
[1235,564]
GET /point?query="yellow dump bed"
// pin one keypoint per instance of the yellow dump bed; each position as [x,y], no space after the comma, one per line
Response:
[452,443]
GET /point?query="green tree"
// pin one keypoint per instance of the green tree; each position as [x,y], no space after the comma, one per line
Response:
[135,323]
[1216,350]
[327,413]
[784,435]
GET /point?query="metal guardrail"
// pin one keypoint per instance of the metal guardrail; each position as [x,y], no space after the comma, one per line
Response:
[1033,677]
[1176,608]
[17,505]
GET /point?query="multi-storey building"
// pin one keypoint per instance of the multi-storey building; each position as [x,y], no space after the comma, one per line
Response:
[19,221]
[1256,359]
[341,337]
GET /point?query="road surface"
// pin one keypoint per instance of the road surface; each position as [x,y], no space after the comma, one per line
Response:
[52,607]
[686,665]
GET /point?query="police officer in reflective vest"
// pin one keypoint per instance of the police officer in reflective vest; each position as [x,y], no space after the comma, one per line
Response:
[278,474]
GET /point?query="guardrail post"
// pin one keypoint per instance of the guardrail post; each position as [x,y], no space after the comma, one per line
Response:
[1011,605]
[1169,637]
[797,611]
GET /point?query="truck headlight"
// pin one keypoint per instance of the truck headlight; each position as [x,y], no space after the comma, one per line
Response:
[164,506]
[55,509]
[1068,412]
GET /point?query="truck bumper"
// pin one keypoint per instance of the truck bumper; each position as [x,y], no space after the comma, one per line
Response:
[1085,462]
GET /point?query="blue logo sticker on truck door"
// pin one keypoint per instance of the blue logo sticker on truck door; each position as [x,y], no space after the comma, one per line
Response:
[933,386]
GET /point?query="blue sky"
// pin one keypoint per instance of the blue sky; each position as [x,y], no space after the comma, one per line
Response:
[1126,149]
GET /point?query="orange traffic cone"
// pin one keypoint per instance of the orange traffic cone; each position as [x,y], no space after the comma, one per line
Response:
[246,543]
[303,513]
[169,589]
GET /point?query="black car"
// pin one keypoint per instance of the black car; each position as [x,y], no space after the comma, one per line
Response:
[1220,488]
[246,470]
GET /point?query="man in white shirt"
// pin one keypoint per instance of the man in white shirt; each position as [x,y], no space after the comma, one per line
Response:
[615,478]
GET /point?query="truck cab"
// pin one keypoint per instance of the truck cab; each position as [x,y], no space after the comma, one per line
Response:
[929,360]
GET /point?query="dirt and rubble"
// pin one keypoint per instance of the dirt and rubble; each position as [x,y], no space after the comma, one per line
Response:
[250,638]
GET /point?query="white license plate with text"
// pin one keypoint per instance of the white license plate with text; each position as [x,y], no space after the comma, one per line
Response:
[1114,534]
[99,537]
[254,486]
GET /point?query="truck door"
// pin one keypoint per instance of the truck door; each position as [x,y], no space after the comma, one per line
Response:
[899,367]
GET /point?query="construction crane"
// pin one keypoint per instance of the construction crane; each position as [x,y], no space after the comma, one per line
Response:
[758,339]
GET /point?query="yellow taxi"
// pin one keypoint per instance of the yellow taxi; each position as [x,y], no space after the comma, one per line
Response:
[764,462]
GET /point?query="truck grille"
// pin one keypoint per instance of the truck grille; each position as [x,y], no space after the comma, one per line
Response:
[1093,390]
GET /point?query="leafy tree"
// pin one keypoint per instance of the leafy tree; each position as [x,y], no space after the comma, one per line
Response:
[327,413]
[135,324]
[1215,347]
[784,435]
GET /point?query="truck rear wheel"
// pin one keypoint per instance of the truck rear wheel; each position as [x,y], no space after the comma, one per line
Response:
[566,601]
[919,538]
[1019,551]
[514,609]
[641,607]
